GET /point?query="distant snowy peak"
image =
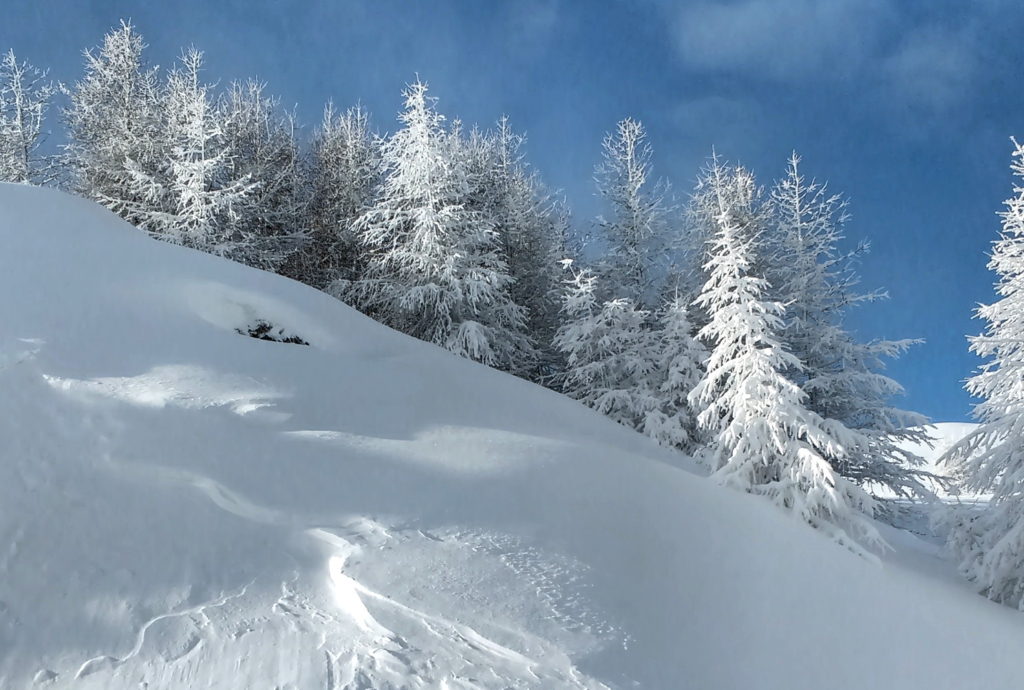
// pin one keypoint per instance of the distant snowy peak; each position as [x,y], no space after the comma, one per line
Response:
[944,436]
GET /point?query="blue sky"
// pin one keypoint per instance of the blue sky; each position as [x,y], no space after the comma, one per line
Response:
[906,106]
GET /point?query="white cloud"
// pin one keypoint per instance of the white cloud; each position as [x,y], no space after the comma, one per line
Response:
[863,44]
[782,39]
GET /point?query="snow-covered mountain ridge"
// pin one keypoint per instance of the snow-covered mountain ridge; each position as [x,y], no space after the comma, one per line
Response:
[183,506]
[944,436]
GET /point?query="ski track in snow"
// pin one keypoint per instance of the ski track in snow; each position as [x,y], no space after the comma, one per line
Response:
[558,582]
[94,664]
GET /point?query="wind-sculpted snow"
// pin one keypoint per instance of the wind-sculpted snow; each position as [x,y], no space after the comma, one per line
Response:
[184,506]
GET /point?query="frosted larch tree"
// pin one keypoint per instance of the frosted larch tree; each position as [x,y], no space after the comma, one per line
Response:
[609,352]
[24,99]
[531,230]
[990,545]
[115,127]
[841,377]
[434,267]
[345,173]
[203,195]
[765,441]
[635,226]
[680,360]
[261,146]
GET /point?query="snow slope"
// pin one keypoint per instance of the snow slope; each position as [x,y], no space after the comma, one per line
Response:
[944,436]
[182,506]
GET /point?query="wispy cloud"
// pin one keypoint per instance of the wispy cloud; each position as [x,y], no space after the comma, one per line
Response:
[875,45]
[782,39]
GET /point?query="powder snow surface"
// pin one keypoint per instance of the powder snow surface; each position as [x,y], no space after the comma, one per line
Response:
[182,506]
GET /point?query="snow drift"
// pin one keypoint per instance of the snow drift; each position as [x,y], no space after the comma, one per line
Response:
[182,505]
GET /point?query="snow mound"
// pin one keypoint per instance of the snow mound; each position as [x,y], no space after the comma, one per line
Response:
[182,506]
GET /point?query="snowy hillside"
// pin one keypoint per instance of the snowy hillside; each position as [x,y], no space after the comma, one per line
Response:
[185,506]
[944,436]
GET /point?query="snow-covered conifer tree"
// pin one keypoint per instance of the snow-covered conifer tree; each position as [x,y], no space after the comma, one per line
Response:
[260,144]
[196,198]
[806,272]
[434,267]
[636,227]
[689,248]
[115,127]
[841,377]
[765,441]
[531,229]
[24,98]
[680,366]
[345,173]
[609,352]
[990,546]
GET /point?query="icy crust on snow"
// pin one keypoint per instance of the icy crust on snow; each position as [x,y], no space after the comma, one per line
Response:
[183,506]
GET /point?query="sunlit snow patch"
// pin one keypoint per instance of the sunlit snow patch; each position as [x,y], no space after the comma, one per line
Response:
[179,385]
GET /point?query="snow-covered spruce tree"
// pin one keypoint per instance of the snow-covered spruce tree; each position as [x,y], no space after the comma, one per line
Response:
[690,247]
[114,126]
[477,155]
[765,441]
[680,360]
[840,376]
[531,227]
[550,248]
[24,98]
[434,267]
[990,545]
[344,175]
[260,145]
[636,225]
[609,352]
[195,197]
